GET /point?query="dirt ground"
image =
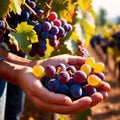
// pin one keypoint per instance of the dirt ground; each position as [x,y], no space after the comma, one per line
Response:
[108,109]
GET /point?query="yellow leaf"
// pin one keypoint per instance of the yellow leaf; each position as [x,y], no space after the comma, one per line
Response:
[84,5]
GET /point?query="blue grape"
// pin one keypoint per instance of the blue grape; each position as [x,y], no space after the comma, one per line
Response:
[70,81]
[25,14]
[44,34]
[76,91]
[64,89]
[38,27]
[53,85]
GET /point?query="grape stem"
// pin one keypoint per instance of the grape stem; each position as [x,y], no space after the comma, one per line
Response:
[33,12]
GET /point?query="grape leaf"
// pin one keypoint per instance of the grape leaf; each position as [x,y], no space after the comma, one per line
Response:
[84,5]
[15,6]
[24,36]
[4,5]
[71,45]
[49,50]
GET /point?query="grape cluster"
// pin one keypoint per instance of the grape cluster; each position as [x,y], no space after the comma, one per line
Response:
[72,81]
[46,25]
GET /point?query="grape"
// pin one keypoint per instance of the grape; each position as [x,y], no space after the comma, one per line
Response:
[54,30]
[89,90]
[25,14]
[80,77]
[57,23]
[2,24]
[71,70]
[45,81]
[63,21]
[101,75]
[60,67]
[76,91]
[64,89]
[94,80]
[63,77]
[46,26]
[38,27]
[53,40]
[32,4]
[45,34]
[53,85]
[61,32]
[38,71]
[86,68]
[98,67]
[70,81]
[50,70]
[90,61]
[52,16]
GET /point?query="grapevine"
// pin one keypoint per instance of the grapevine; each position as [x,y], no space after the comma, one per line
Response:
[39,30]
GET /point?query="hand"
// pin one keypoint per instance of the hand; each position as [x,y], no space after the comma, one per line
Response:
[58,103]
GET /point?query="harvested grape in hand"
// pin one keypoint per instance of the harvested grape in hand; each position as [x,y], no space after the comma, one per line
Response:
[73,81]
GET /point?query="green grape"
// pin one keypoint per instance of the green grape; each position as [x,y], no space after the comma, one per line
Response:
[98,67]
[38,71]
[94,80]
[90,61]
[86,68]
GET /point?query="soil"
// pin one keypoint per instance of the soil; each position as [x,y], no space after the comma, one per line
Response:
[108,109]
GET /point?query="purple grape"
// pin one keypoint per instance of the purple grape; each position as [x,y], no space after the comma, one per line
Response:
[2,24]
[63,77]
[80,77]
[60,67]
[76,91]
[70,81]
[53,40]
[101,75]
[89,90]
[61,32]
[50,70]
[63,21]
[46,26]
[32,4]
[71,70]
[54,30]
[64,89]
[53,85]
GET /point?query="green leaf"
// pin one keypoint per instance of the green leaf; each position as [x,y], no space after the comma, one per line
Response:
[4,6]
[83,115]
[24,36]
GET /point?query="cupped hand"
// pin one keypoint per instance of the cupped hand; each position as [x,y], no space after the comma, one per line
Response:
[58,103]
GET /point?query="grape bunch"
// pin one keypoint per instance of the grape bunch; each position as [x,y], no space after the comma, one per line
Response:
[73,81]
[46,24]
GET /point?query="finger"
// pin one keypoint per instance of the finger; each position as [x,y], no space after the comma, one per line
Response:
[96,98]
[76,106]
[76,60]
[104,86]
[50,97]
